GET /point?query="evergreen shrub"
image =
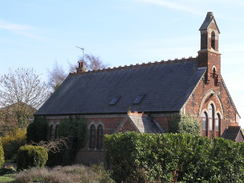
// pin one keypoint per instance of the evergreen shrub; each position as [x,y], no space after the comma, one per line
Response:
[37,131]
[184,124]
[1,155]
[31,156]
[74,130]
[138,158]
[12,142]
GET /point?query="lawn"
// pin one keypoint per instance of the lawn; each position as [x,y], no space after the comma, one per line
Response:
[6,178]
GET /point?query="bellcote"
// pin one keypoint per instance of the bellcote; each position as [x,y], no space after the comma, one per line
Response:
[209,55]
[209,34]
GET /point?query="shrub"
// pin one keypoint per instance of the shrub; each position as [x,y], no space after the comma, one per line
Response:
[37,131]
[139,158]
[1,155]
[75,131]
[67,174]
[184,124]
[12,142]
[31,156]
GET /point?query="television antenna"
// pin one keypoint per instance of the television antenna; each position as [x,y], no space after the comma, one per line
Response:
[83,51]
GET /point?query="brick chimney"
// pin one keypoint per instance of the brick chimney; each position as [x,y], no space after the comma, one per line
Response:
[81,67]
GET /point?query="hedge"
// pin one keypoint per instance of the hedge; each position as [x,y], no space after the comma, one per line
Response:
[1,155]
[37,131]
[31,156]
[12,142]
[138,158]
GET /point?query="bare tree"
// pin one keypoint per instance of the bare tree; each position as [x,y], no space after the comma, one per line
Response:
[93,63]
[21,93]
[57,75]
[22,86]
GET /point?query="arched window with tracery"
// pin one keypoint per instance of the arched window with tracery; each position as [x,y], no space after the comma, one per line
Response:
[213,40]
[205,123]
[92,141]
[99,137]
[56,131]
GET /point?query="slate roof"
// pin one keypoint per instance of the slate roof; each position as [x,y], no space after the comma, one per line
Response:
[231,132]
[207,21]
[165,87]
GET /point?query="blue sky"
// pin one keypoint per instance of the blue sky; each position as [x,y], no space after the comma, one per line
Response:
[38,33]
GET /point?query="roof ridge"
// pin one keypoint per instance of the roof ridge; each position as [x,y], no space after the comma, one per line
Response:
[176,60]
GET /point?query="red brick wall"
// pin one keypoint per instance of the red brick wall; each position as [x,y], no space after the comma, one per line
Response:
[201,98]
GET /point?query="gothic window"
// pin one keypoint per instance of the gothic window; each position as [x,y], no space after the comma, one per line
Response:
[214,72]
[56,131]
[218,122]
[99,137]
[205,123]
[211,119]
[213,40]
[51,131]
[92,141]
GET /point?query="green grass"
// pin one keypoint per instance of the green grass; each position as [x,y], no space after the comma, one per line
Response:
[6,178]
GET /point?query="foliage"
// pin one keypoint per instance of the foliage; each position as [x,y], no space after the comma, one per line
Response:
[38,130]
[16,115]
[31,156]
[184,124]
[74,130]
[12,142]
[139,158]
[67,174]
[1,155]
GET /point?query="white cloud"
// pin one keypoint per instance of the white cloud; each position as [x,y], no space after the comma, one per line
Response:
[24,30]
[13,27]
[173,5]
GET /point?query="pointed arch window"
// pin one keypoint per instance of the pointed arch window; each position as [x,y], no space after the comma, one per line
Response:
[213,40]
[56,131]
[211,118]
[218,123]
[92,141]
[205,123]
[99,137]
[51,131]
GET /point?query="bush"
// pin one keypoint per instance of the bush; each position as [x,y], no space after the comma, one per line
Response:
[75,131]
[1,155]
[31,156]
[139,158]
[12,142]
[184,124]
[67,174]
[37,131]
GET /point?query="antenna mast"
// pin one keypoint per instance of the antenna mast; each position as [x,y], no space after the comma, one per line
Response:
[83,52]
